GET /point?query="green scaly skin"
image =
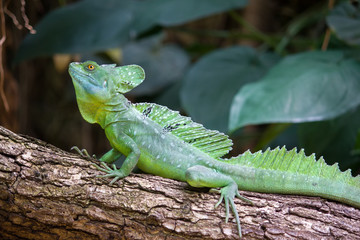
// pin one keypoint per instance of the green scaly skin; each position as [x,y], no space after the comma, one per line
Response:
[164,143]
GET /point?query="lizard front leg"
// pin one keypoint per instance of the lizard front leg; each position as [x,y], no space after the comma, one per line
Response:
[119,141]
[111,156]
[200,176]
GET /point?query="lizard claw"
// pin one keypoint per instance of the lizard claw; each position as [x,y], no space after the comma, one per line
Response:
[83,152]
[228,194]
[111,172]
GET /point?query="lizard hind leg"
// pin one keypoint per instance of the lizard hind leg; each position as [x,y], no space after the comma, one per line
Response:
[200,176]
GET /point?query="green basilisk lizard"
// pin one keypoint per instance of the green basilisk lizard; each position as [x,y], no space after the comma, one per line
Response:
[162,142]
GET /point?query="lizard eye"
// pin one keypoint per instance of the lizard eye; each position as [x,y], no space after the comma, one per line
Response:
[90,67]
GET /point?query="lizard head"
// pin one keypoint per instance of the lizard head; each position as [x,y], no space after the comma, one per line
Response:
[97,85]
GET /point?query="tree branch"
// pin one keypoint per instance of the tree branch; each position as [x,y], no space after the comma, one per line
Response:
[47,193]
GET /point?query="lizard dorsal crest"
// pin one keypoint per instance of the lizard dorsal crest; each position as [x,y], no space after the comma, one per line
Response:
[282,160]
[211,142]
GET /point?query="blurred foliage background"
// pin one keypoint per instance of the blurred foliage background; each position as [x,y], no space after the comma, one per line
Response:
[269,73]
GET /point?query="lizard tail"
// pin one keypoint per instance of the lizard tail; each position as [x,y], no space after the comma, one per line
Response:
[292,172]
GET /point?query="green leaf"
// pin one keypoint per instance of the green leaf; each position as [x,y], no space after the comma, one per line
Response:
[84,26]
[344,20]
[333,139]
[163,63]
[93,25]
[305,87]
[175,12]
[211,84]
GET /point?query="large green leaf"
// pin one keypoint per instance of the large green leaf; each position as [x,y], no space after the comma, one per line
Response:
[305,87]
[211,84]
[93,25]
[85,26]
[175,12]
[163,63]
[344,20]
[334,139]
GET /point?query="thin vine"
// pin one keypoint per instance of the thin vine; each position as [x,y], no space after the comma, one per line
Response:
[326,41]
[4,10]
[2,41]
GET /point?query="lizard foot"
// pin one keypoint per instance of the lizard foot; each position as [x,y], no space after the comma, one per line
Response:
[82,152]
[228,194]
[111,172]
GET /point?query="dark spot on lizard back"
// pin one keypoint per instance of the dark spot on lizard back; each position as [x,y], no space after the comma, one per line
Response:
[170,128]
[147,111]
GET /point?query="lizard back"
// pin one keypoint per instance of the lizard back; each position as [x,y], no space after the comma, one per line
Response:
[211,142]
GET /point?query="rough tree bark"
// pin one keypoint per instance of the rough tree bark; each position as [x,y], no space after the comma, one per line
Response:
[47,193]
